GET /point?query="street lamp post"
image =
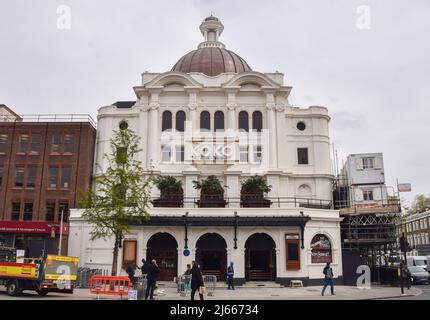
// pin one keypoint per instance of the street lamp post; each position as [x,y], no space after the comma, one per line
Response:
[61,232]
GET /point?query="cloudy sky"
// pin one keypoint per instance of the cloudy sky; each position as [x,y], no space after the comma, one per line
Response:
[372,75]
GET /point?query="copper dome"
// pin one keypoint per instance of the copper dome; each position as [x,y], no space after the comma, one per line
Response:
[211,61]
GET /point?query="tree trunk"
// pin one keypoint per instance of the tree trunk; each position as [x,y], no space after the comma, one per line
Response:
[115,254]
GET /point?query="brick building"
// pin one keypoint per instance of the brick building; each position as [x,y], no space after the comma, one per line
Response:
[44,162]
[417,231]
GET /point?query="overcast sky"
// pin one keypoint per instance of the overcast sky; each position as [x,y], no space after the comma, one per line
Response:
[375,82]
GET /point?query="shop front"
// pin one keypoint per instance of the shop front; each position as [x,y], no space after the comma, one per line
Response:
[35,238]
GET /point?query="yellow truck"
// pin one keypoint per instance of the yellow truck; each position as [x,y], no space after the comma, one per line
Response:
[43,275]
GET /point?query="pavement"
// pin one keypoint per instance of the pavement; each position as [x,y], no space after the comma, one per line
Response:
[169,292]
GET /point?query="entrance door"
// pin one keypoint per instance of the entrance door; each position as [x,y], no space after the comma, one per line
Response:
[260,258]
[164,249]
[211,254]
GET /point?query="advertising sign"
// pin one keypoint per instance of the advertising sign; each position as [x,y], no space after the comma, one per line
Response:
[321,249]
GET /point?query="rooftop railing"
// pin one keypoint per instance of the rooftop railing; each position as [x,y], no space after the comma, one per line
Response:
[237,202]
[50,118]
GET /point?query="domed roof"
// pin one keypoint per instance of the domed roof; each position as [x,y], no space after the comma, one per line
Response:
[211,61]
[211,58]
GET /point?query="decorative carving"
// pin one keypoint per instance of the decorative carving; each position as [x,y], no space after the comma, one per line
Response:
[153,106]
[231,106]
[192,106]
[270,106]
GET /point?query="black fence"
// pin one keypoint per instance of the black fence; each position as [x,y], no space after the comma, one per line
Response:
[85,274]
[266,202]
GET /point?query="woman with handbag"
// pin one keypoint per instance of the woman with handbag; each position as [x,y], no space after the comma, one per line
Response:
[197,283]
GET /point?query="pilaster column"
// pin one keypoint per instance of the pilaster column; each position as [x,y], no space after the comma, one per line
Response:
[271,117]
[192,106]
[231,107]
[190,191]
[233,190]
[153,131]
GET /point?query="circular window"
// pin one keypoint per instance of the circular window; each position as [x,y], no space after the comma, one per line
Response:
[301,126]
[123,125]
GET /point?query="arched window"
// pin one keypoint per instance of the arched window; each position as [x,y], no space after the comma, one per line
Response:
[257,121]
[243,121]
[167,121]
[205,121]
[219,120]
[180,121]
[321,249]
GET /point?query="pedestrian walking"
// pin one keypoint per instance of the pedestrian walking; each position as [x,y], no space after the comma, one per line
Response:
[230,275]
[152,274]
[197,283]
[328,278]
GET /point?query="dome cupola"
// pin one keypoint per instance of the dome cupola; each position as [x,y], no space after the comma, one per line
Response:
[211,58]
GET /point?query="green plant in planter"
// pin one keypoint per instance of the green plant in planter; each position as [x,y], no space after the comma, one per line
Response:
[168,186]
[209,186]
[255,185]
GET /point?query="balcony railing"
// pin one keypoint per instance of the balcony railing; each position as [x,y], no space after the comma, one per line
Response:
[237,202]
[50,118]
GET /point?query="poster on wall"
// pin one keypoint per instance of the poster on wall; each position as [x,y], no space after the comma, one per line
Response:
[321,249]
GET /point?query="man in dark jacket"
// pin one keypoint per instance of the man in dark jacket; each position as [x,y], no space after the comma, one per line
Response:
[131,270]
[196,280]
[230,275]
[152,274]
[328,278]
[143,267]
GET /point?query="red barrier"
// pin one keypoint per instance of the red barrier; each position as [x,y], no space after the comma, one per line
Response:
[109,285]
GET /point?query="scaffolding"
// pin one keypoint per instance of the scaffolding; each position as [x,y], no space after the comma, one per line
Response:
[369,229]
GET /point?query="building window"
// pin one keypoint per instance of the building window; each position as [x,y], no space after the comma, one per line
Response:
[301,126]
[28,211]
[68,143]
[205,121]
[36,140]
[63,208]
[66,173]
[243,154]
[166,154]
[16,211]
[257,121]
[50,211]
[180,121]
[19,177]
[219,121]
[243,121]
[180,154]
[166,123]
[53,178]
[3,143]
[292,247]
[23,143]
[367,195]
[302,156]
[258,154]
[129,253]
[55,143]
[321,249]
[368,163]
[31,177]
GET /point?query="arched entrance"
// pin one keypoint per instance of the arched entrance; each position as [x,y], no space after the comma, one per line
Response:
[260,258]
[211,254]
[164,249]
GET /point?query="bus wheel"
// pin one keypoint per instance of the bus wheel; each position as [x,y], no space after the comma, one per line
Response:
[13,288]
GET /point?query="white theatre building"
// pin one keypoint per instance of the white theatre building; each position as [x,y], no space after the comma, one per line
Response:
[213,115]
